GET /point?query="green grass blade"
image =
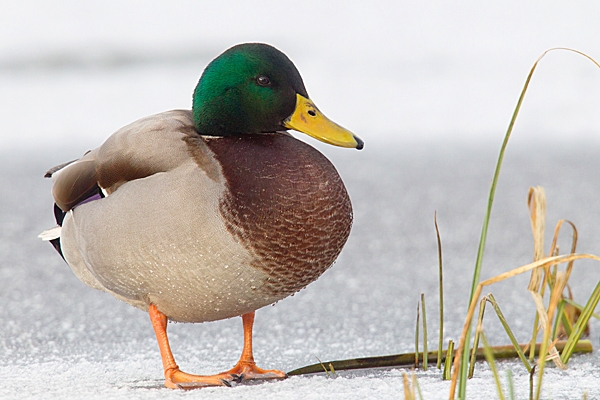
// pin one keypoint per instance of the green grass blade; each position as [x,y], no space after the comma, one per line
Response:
[489,356]
[408,359]
[417,336]
[449,358]
[560,316]
[541,364]
[534,334]
[580,307]
[424,332]
[509,332]
[441,284]
[477,334]
[462,384]
[416,385]
[582,321]
[510,384]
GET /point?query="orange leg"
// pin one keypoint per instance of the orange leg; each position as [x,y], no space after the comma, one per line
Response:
[174,377]
[246,368]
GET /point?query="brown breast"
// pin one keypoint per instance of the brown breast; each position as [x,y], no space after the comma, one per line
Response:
[286,203]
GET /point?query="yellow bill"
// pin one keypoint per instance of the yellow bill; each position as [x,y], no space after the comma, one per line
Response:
[308,119]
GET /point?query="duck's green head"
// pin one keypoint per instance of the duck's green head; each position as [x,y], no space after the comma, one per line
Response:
[255,88]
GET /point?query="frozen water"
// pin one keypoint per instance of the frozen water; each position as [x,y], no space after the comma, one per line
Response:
[61,338]
[429,87]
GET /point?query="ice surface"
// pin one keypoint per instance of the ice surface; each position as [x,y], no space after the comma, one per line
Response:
[61,339]
[429,87]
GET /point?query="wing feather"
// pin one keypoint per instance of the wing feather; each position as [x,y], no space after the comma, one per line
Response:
[143,148]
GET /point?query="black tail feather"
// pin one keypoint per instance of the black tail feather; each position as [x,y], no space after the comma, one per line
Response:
[59,215]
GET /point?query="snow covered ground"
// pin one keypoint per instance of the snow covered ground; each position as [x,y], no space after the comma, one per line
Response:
[63,339]
[429,87]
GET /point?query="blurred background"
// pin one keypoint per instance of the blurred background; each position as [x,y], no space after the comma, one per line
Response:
[74,71]
[429,86]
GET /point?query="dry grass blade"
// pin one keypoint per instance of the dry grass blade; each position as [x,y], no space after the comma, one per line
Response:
[550,279]
[554,246]
[536,202]
[322,366]
[540,314]
[546,318]
[408,394]
[331,369]
[555,298]
[569,268]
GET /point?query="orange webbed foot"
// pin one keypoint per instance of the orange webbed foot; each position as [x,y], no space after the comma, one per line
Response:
[177,379]
[249,371]
[244,370]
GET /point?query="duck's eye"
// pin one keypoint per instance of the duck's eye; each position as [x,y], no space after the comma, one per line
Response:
[263,80]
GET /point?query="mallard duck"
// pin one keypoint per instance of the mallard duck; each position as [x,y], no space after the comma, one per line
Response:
[212,213]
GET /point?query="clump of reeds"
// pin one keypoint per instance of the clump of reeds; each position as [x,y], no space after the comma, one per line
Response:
[538,267]
[562,321]
[544,274]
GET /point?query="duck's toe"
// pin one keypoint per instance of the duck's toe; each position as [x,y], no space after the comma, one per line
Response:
[249,371]
[177,379]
